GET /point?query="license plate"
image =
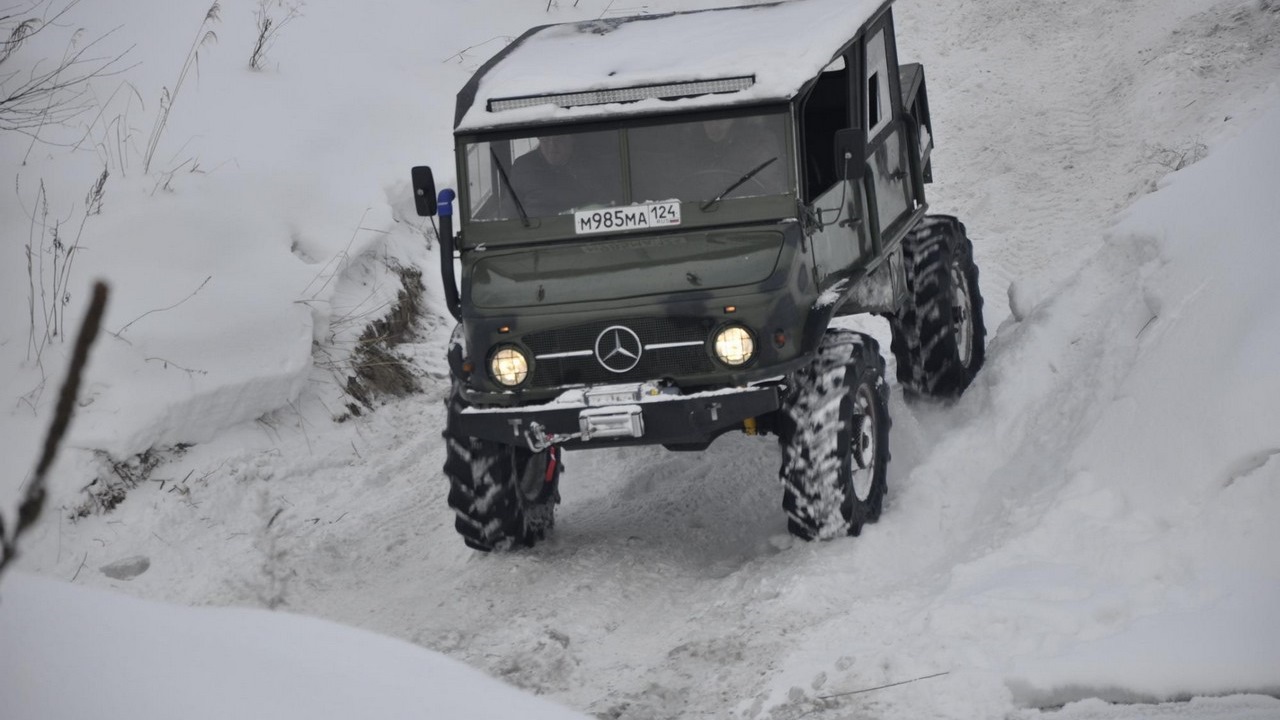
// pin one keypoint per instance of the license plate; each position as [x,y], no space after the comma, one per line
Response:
[632,217]
[612,395]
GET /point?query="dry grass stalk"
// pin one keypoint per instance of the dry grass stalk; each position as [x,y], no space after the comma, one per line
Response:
[204,36]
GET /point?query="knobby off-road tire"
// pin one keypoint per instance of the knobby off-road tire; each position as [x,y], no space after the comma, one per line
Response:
[504,497]
[833,427]
[939,337]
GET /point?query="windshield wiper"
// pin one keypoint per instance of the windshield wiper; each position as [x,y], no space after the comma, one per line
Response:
[708,204]
[524,217]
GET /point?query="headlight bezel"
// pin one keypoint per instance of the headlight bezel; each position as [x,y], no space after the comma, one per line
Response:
[723,350]
[518,355]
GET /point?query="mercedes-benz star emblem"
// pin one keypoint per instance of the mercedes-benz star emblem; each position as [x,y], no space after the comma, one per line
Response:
[618,349]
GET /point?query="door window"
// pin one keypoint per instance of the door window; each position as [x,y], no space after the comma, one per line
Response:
[825,111]
[889,173]
[888,164]
[879,108]
[480,180]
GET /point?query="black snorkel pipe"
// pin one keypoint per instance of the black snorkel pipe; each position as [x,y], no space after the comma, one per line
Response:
[452,300]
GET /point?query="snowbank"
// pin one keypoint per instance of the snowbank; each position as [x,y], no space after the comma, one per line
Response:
[1175,489]
[72,653]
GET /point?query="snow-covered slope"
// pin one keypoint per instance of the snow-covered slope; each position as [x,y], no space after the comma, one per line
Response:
[73,653]
[1093,519]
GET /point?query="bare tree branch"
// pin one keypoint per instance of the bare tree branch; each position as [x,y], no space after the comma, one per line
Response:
[40,93]
[33,499]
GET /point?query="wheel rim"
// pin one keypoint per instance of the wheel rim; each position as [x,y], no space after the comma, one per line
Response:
[961,314]
[863,450]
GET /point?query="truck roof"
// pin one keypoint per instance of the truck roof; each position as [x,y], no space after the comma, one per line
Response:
[658,63]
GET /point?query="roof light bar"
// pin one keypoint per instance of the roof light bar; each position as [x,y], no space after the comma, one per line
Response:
[670,91]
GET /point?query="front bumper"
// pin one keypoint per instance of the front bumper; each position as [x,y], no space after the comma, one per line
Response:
[641,414]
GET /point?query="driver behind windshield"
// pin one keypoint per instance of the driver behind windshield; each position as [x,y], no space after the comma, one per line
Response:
[566,172]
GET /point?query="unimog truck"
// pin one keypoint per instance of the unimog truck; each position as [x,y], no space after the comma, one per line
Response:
[659,217]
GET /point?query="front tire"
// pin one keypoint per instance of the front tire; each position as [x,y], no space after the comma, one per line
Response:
[939,338]
[833,428]
[503,496]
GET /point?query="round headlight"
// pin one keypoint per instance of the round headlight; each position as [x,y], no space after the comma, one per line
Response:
[734,345]
[509,366]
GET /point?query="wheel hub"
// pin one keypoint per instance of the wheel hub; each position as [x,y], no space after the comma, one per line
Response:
[863,447]
[961,314]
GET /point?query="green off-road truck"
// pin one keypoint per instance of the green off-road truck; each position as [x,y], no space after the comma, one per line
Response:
[658,219]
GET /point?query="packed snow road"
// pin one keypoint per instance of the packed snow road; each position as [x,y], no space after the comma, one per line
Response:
[1049,537]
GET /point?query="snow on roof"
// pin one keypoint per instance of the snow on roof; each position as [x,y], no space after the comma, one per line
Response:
[779,46]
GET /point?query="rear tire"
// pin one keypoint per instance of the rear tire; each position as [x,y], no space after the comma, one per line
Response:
[939,336]
[503,496]
[833,428]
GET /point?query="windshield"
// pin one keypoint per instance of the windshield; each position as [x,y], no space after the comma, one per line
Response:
[558,174]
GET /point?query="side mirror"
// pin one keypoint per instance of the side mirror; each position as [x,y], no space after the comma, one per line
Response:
[851,154]
[424,190]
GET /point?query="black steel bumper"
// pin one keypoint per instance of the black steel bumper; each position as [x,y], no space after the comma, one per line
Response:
[675,420]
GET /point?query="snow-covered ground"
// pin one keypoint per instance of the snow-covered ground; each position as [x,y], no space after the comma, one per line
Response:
[72,652]
[1094,519]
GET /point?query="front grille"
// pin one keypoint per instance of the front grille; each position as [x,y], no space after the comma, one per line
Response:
[666,362]
[650,330]
[656,363]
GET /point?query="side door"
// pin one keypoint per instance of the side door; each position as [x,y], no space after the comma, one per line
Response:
[839,232]
[888,173]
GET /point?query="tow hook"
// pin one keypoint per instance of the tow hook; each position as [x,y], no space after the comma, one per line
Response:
[538,439]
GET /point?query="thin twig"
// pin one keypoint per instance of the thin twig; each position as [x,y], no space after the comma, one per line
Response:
[82,562]
[269,28]
[302,425]
[168,363]
[462,54]
[336,261]
[120,332]
[1147,325]
[882,687]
